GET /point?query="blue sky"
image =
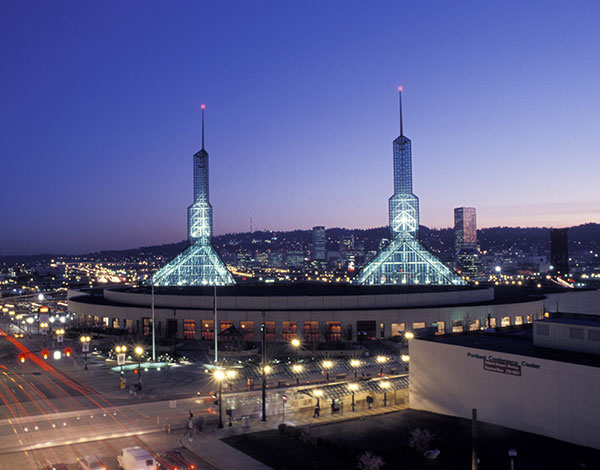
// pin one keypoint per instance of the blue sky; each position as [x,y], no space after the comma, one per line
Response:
[101,101]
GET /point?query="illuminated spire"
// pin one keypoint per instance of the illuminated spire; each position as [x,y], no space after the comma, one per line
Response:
[203,107]
[400,102]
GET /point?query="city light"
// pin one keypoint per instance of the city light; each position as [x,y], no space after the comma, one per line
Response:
[409,335]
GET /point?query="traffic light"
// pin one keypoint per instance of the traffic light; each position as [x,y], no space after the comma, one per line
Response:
[68,352]
[22,357]
[45,354]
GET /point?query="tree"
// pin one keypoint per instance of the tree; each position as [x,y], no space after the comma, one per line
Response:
[420,439]
[369,461]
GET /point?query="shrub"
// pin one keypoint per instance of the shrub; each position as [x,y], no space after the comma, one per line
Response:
[282,428]
[420,439]
[369,461]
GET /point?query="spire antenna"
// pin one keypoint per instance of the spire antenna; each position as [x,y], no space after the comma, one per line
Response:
[400,102]
[202,107]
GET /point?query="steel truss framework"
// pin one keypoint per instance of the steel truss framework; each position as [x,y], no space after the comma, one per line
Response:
[405,260]
[198,265]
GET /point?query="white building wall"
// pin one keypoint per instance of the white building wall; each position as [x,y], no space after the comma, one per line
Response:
[558,400]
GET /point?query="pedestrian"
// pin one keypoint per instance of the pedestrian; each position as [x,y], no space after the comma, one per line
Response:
[317,412]
[191,414]
[190,424]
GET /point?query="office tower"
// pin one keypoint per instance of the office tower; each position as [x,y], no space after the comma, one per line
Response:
[199,264]
[465,229]
[559,251]
[319,252]
[405,260]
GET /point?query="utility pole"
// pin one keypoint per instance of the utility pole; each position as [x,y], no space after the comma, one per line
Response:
[264,365]
[474,459]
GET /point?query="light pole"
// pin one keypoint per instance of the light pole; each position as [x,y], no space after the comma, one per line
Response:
[44,327]
[219,377]
[264,367]
[353,388]
[512,453]
[381,360]
[121,349]
[296,344]
[327,365]
[85,347]
[297,369]
[385,385]
[355,363]
[139,351]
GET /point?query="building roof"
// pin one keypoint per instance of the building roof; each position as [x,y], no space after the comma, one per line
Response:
[514,340]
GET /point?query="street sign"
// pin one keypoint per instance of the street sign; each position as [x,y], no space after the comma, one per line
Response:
[59,338]
[120,357]
[85,347]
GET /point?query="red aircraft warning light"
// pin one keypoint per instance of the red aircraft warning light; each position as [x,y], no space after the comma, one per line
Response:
[45,354]
[68,352]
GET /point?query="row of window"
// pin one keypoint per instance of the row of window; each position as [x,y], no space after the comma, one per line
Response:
[310,331]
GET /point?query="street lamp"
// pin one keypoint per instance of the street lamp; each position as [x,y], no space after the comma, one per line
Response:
[353,388]
[355,363]
[219,377]
[327,365]
[139,351]
[296,344]
[385,385]
[121,349]
[85,347]
[409,335]
[297,369]
[381,360]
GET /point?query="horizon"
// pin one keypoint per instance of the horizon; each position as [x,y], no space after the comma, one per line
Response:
[183,240]
[101,118]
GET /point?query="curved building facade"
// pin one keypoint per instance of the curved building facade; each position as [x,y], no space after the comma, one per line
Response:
[313,312]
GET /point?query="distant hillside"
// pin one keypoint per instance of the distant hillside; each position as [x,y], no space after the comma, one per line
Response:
[582,238]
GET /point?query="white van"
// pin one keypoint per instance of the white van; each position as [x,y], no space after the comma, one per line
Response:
[136,458]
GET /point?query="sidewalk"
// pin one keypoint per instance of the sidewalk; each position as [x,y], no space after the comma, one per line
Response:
[208,445]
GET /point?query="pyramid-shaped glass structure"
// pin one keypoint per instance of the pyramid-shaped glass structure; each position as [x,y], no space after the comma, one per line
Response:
[405,260]
[199,264]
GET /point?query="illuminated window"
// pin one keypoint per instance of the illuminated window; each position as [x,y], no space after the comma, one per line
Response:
[457,326]
[474,325]
[529,318]
[505,321]
[289,330]
[366,330]
[189,329]
[418,325]
[398,329]
[334,331]
[492,322]
[208,329]
[311,331]
[270,330]
[247,329]
[519,320]
[441,328]
[147,326]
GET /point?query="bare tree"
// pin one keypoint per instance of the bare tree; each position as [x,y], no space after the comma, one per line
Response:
[420,439]
[369,461]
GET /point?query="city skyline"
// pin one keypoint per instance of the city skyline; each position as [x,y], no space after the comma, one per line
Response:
[98,139]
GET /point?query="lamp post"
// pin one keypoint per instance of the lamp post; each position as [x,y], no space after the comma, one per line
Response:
[355,363]
[512,453]
[318,394]
[385,385]
[121,349]
[264,367]
[297,369]
[44,326]
[85,347]
[219,377]
[327,365]
[353,388]
[296,344]
[139,351]
[381,360]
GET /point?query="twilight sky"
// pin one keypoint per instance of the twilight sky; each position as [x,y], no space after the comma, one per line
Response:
[100,115]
